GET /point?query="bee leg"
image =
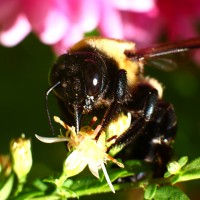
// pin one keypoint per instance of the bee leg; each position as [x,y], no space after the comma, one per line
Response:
[151,132]
[119,97]
[161,131]
[153,139]
[140,116]
[150,104]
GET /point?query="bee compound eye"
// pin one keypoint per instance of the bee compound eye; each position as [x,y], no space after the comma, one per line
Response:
[92,76]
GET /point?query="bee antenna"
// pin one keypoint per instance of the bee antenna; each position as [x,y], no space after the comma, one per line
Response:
[47,106]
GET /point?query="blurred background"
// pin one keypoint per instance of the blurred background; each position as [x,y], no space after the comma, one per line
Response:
[26,56]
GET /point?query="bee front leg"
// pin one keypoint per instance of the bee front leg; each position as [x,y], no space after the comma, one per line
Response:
[120,95]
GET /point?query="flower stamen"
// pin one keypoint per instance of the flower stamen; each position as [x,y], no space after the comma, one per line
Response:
[88,148]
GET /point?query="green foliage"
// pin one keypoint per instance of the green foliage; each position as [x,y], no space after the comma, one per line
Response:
[6,187]
[160,189]
[170,192]
[190,171]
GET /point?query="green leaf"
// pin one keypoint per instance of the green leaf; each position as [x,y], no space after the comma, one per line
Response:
[195,164]
[37,190]
[174,167]
[39,184]
[137,166]
[170,193]
[150,191]
[167,174]
[189,172]
[182,161]
[91,185]
[28,195]
[7,188]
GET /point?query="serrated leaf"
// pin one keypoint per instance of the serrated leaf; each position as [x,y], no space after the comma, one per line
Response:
[170,193]
[150,191]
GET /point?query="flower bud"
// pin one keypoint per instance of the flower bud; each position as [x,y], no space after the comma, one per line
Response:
[5,166]
[22,158]
[173,167]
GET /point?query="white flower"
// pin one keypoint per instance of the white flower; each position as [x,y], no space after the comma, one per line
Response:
[22,156]
[85,151]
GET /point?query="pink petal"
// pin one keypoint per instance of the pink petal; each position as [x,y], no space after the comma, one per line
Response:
[54,28]
[89,14]
[183,30]
[140,27]
[8,8]
[111,22]
[48,18]
[71,37]
[179,18]
[134,5]
[14,31]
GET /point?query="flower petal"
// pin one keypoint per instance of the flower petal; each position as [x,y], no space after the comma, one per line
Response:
[48,18]
[51,140]
[71,36]
[14,31]
[94,169]
[74,164]
[107,177]
[88,20]
[134,5]
[110,16]
[9,9]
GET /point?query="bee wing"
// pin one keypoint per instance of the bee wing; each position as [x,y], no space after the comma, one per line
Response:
[159,53]
[165,64]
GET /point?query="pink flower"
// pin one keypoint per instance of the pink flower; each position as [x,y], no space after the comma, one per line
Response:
[83,17]
[179,18]
[61,23]
[131,20]
[145,21]
[14,25]
[54,21]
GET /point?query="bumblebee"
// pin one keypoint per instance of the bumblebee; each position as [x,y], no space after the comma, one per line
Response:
[105,77]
